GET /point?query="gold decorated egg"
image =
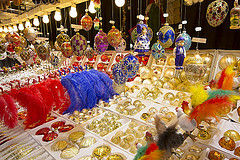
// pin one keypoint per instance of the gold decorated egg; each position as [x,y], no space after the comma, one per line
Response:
[175,81]
[116,157]
[237,151]
[182,76]
[145,91]
[101,151]
[208,59]
[164,79]
[129,131]
[116,139]
[69,152]
[154,78]
[133,124]
[129,138]
[227,143]
[169,96]
[215,155]
[227,60]
[191,157]
[203,134]
[168,85]
[120,133]
[181,95]
[142,128]
[145,72]
[163,110]
[195,149]
[171,61]
[147,82]
[133,149]
[169,73]
[76,136]
[124,145]
[158,84]
[59,146]
[232,134]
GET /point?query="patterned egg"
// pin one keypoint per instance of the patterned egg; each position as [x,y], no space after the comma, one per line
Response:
[97,5]
[100,42]
[216,12]
[121,47]
[25,54]
[166,36]
[78,44]
[114,37]
[188,40]
[43,51]
[158,51]
[15,39]
[61,38]
[89,52]
[118,73]
[29,33]
[86,22]
[53,59]
[57,46]
[23,42]
[130,65]
[66,49]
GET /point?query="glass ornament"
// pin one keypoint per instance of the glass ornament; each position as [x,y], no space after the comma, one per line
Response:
[118,73]
[232,134]
[130,65]
[43,51]
[207,58]
[142,42]
[101,42]
[53,59]
[166,36]
[29,34]
[69,152]
[2,48]
[150,33]
[134,35]
[66,49]
[15,39]
[235,16]
[215,155]
[97,5]
[158,51]
[87,142]
[61,38]
[26,54]
[96,22]
[78,44]
[57,46]
[121,46]
[101,151]
[169,73]
[10,47]
[227,60]
[195,68]
[23,42]
[145,72]
[114,37]
[86,22]
[227,143]
[188,40]
[89,52]
[216,12]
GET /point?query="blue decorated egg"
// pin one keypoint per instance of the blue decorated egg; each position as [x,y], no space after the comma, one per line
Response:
[118,73]
[188,40]
[166,36]
[158,51]
[130,65]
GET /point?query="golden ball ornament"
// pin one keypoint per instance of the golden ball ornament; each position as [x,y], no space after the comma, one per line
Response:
[157,72]
[168,85]
[147,82]
[195,68]
[158,84]
[207,58]
[164,79]
[232,134]
[227,60]
[171,61]
[138,80]
[169,73]
[145,72]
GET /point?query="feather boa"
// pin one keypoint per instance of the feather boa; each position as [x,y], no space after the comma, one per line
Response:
[225,81]
[199,95]
[3,105]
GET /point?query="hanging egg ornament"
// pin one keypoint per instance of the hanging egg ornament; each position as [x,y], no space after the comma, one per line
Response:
[100,42]
[96,22]
[235,16]
[25,54]
[130,65]
[53,59]
[216,12]
[166,36]
[23,42]
[195,68]
[89,52]
[61,38]
[66,49]
[10,47]
[134,35]
[97,5]
[2,37]
[29,34]
[118,73]
[114,37]
[86,22]
[78,44]
[188,40]
[43,51]
[158,51]
[121,47]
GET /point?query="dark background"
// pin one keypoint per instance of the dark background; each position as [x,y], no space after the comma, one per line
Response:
[220,37]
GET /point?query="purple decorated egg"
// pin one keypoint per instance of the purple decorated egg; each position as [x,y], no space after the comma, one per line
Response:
[101,42]
[78,44]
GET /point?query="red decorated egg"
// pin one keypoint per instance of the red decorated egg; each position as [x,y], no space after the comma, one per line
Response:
[10,47]
[42,131]
[66,49]
[86,22]
[65,128]
[114,37]
[49,136]
[58,124]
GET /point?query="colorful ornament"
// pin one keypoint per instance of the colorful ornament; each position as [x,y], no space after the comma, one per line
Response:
[158,51]
[29,34]
[53,59]
[15,39]
[78,44]
[8,37]
[2,48]
[26,54]
[121,47]
[114,37]
[61,38]
[216,12]
[166,36]
[86,22]
[97,5]
[179,52]
[43,51]
[96,22]
[66,49]
[23,42]
[100,42]
[142,43]
[10,47]
[130,65]
[235,16]
[89,52]
[118,73]
[187,41]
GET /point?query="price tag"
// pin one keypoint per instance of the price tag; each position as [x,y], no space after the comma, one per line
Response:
[199,40]
[76,26]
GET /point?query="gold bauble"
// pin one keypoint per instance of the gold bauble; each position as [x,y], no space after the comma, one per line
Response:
[182,76]
[175,81]
[154,78]
[208,59]
[169,96]
[164,79]
[227,143]
[116,157]
[157,72]
[181,95]
[147,82]
[101,151]
[138,80]
[69,152]
[59,146]
[227,60]
[145,72]
[232,134]
[76,136]
[168,85]
[158,84]
[87,142]
[215,155]
[169,73]
[171,61]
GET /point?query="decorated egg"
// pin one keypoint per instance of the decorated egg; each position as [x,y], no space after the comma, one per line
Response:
[8,37]
[215,155]
[25,54]
[86,22]
[130,65]
[145,72]
[118,73]
[61,38]
[227,143]
[10,47]
[216,12]
[15,40]
[57,46]
[232,134]
[169,73]
[66,49]
[29,34]
[43,51]
[100,42]
[166,36]
[53,59]
[188,40]
[89,52]
[2,37]
[78,44]
[18,50]
[114,37]
[23,42]
[158,51]
[121,47]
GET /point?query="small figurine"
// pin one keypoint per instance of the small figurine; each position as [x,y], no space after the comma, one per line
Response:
[142,43]
[179,52]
